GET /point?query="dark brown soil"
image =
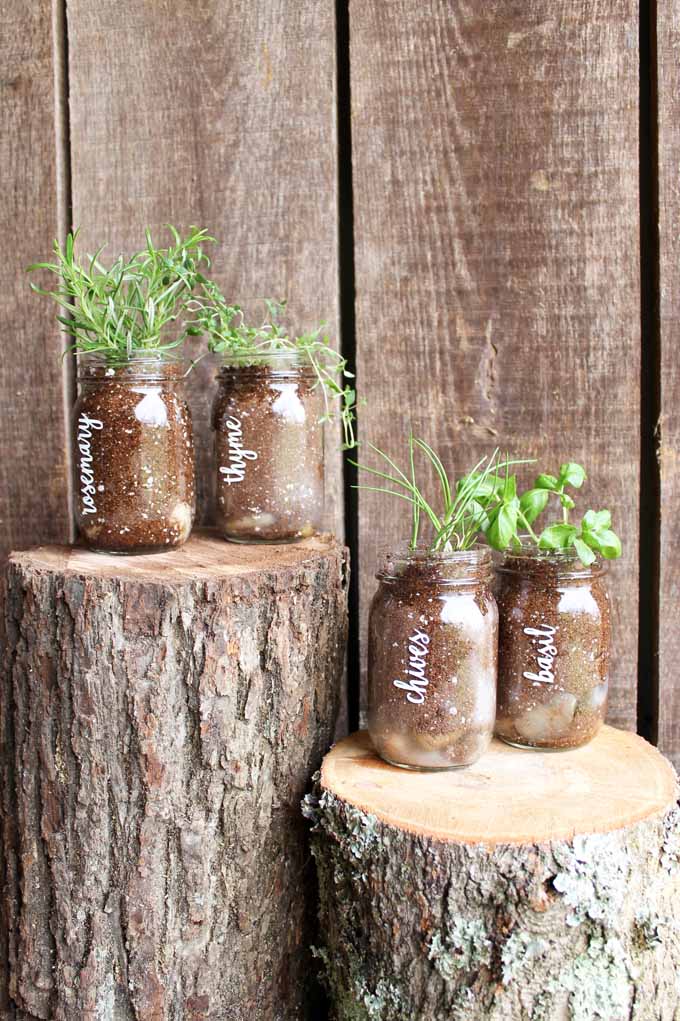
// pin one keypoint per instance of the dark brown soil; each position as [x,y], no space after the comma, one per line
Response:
[564,700]
[134,461]
[269,454]
[449,720]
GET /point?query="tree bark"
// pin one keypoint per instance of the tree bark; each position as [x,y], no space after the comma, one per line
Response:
[162,717]
[529,886]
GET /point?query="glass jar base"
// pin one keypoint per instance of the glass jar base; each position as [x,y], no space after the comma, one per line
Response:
[257,541]
[141,551]
[425,769]
[542,747]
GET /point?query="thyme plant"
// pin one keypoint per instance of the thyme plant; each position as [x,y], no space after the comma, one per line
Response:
[230,336]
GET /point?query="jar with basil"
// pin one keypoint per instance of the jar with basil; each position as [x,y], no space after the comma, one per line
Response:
[554,642]
[274,396]
[133,452]
[432,658]
[554,612]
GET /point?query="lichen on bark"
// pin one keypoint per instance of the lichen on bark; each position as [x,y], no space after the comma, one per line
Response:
[417,929]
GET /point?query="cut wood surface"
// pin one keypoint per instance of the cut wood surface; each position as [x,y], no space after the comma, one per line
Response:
[495,152]
[161,718]
[528,887]
[668,426]
[510,795]
[220,114]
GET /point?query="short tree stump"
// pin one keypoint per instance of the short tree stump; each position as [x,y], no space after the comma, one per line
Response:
[529,886]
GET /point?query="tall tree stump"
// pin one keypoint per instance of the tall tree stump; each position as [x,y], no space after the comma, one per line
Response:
[529,886]
[161,718]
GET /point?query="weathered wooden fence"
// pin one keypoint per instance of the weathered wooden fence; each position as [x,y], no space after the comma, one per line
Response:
[480,199]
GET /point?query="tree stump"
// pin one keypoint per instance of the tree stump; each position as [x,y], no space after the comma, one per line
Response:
[161,718]
[528,886]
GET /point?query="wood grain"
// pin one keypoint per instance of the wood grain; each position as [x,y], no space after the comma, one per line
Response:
[166,721]
[497,227]
[668,428]
[511,795]
[33,466]
[221,114]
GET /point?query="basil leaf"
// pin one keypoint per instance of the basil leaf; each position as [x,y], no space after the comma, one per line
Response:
[558,536]
[546,482]
[533,503]
[609,544]
[593,520]
[585,554]
[567,501]
[572,474]
[503,525]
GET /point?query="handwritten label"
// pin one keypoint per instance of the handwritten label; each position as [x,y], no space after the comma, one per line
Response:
[236,470]
[86,425]
[418,648]
[546,653]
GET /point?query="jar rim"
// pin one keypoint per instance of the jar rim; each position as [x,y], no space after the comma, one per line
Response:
[158,364]
[445,566]
[565,562]
[281,362]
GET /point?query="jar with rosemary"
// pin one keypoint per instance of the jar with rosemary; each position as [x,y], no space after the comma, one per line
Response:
[274,396]
[555,619]
[133,447]
[433,625]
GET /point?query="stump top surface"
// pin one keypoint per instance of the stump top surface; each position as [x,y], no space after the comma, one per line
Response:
[204,556]
[510,795]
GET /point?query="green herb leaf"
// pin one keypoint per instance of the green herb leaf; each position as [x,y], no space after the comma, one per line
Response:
[559,536]
[572,474]
[585,554]
[594,520]
[503,525]
[533,502]
[548,482]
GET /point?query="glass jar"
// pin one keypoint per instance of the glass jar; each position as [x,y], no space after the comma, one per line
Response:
[133,455]
[554,638]
[432,658]
[269,455]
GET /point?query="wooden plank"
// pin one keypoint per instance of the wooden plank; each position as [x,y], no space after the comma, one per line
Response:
[33,466]
[220,114]
[497,268]
[668,430]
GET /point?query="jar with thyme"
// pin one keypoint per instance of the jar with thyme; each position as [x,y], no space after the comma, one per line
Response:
[432,658]
[554,639]
[134,454]
[269,454]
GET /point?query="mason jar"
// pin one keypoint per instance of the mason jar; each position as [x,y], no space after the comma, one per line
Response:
[269,455]
[133,455]
[554,638]
[432,658]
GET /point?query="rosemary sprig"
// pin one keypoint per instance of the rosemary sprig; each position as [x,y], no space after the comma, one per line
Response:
[126,307]
[230,336]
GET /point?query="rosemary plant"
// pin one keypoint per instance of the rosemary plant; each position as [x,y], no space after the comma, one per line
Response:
[466,507]
[125,308]
[229,336]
